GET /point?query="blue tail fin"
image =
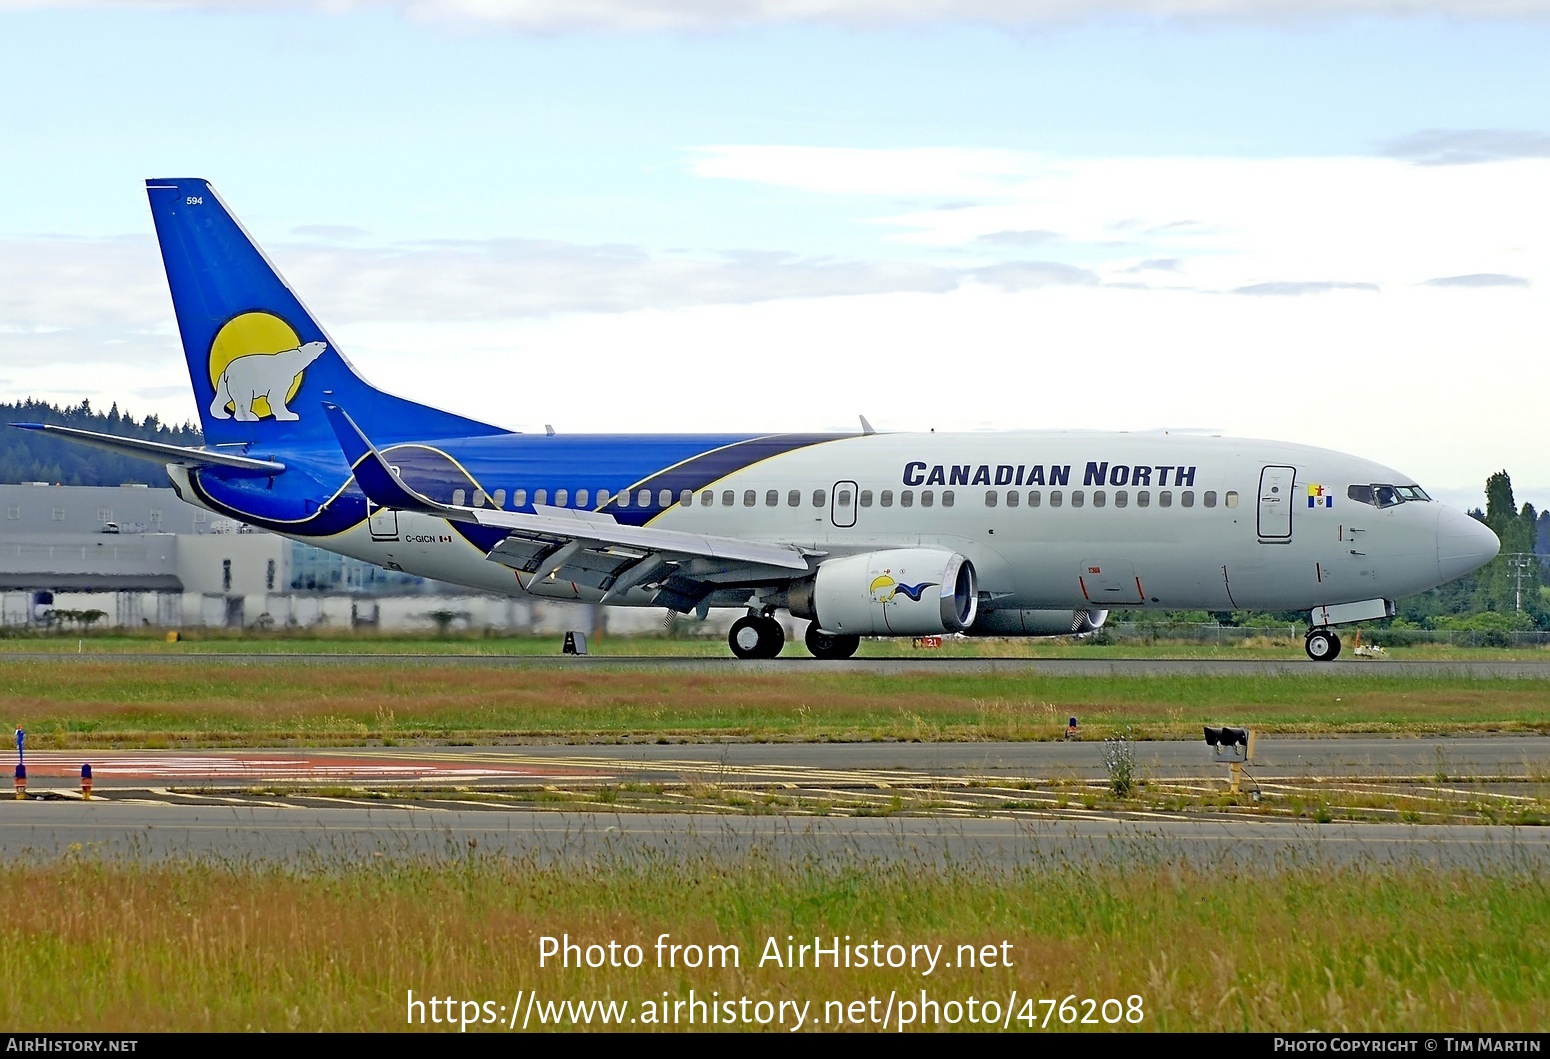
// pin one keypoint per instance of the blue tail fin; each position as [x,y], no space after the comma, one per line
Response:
[260,364]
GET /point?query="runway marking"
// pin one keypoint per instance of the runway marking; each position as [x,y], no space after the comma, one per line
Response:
[230,765]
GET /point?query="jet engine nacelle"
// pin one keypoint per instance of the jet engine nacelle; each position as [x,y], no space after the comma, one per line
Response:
[901,592]
[1039,622]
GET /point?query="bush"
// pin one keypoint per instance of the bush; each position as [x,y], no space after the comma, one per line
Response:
[1119,760]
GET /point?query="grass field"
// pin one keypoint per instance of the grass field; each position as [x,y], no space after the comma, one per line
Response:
[88,945]
[689,643]
[82,701]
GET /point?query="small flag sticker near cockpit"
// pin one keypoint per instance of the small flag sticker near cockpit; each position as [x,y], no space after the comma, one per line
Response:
[1318,496]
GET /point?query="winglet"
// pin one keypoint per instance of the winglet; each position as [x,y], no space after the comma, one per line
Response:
[377,479]
[866,428]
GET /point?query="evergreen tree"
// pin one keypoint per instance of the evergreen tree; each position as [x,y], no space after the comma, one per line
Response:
[30,456]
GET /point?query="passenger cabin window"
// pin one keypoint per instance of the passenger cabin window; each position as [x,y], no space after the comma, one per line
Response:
[561,497]
[458,496]
[927,497]
[478,498]
[707,498]
[1187,498]
[1054,498]
[1165,498]
[500,498]
[1035,498]
[727,497]
[518,497]
[820,497]
[772,498]
[947,498]
[842,498]
[602,498]
[906,498]
[1121,498]
[794,498]
[990,497]
[686,497]
[1209,497]
[1232,498]
[865,498]
[643,498]
[1012,497]
[581,498]
[885,498]
[750,498]
[541,496]
[1143,498]
[1077,498]
[1100,498]
[664,498]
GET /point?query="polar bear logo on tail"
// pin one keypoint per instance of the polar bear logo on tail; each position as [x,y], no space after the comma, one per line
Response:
[262,375]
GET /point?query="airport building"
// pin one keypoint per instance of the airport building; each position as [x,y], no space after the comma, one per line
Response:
[142,557]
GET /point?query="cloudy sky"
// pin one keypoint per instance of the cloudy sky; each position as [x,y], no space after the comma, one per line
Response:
[1316,220]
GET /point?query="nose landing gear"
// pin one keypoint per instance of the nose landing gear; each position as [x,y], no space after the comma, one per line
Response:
[1322,645]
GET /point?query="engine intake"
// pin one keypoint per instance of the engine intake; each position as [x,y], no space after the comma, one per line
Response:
[900,592]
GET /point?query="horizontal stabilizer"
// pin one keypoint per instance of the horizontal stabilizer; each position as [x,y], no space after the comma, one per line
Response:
[160,451]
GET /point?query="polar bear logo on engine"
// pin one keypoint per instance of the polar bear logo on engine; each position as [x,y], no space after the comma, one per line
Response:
[262,375]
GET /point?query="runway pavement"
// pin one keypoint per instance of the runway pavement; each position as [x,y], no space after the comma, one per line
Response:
[1100,664]
[1499,757]
[1002,803]
[256,833]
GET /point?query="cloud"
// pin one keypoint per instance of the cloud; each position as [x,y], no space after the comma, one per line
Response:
[1468,146]
[1479,279]
[330,231]
[658,15]
[1025,237]
[1156,264]
[1026,275]
[68,298]
[1293,289]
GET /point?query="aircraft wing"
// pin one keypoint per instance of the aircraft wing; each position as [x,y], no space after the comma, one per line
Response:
[232,464]
[588,547]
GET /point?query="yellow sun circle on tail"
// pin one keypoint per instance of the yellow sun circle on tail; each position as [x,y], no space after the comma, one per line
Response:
[252,333]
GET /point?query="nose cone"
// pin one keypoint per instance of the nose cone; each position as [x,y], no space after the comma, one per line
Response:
[1463,544]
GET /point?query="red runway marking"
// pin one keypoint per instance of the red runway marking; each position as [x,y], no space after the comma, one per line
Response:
[261,766]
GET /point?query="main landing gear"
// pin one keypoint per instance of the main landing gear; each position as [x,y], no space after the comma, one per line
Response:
[1322,645]
[757,636]
[831,646]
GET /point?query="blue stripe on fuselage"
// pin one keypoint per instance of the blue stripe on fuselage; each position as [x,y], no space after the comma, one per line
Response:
[294,502]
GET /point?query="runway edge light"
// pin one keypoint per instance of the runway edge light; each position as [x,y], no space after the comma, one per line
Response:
[86,782]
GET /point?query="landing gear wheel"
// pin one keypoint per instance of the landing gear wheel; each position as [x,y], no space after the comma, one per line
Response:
[756,636]
[831,646]
[1322,645]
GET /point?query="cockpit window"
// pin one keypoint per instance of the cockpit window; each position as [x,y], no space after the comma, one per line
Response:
[1383,495]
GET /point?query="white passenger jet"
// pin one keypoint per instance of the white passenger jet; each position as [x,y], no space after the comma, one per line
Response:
[867,534]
